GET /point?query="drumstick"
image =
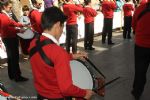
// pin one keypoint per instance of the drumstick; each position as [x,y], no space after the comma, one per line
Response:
[108,83]
[95,67]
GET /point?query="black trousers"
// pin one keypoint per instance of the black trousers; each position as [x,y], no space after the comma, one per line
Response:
[89,34]
[107,29]
[127,27]
[12,51]
[71,37]
[39,97]
[142,61]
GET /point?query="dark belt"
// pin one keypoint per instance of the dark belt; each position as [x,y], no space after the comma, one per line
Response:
[39,97]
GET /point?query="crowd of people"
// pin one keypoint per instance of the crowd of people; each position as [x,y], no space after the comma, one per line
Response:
[49,61]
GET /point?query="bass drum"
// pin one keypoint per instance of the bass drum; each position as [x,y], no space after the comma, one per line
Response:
[81,75]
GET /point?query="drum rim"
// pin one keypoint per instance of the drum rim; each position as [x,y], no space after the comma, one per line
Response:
[92,75]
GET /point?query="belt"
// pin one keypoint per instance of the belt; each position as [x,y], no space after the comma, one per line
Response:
[39,97]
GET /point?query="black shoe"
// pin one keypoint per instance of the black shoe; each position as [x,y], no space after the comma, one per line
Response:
[21,79]
[136,96]
[111,43]
[91,48]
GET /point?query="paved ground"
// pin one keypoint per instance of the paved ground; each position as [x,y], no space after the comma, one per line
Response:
[113,61]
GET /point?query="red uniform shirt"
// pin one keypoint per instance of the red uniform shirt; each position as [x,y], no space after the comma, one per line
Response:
[141,27]
[35,19]
[70,11]
[128,8]
[143,2]
[108,8]
[54,82]
[89,14]
[7,26]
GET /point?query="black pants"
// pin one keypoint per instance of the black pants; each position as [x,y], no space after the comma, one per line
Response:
[107,30]
[89,34]
[142,61]
[71,37]
[127,27]
[39,97]
[12,51]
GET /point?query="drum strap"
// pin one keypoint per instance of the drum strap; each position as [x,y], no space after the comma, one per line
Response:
[146,10]
[38,48]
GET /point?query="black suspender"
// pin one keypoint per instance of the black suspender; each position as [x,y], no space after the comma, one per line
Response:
[38,48]
[146,10]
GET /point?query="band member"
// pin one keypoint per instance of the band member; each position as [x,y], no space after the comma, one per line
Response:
[108,8]
[140,25]
[128,7]
[71,10]
[10,40]
[35,16]
[89,14]
[50,62]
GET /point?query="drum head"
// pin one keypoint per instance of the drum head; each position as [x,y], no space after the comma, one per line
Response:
[28,34]
[80,75]
[2,98]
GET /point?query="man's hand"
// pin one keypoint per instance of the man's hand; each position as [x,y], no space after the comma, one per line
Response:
[80,55]
[89,94]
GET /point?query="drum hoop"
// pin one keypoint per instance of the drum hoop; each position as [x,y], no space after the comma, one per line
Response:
[92,75]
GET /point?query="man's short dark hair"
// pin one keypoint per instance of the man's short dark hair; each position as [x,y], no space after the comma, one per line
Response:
[87,2]
[25,8]
[50,16]
[33,1]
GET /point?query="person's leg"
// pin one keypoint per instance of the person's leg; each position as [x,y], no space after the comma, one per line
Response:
[7,42]
[74,38]
[91,35]
[68,38]
[86,37]
[110,24]
[125,28]
[129,27]
[104,33]
[142,61]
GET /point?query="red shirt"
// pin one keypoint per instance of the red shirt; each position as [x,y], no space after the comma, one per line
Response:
[143,2]
[7,26]
[35,19]
[89,14]
[108,8]
[70,11]
[128,8]
[141,27]
[54,82]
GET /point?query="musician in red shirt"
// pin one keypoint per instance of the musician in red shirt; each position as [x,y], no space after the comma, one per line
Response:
[35,16]
[50,62]
[8,34]
[108,7]
[127,8]
[140,25]
[89,14]
[71,10]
